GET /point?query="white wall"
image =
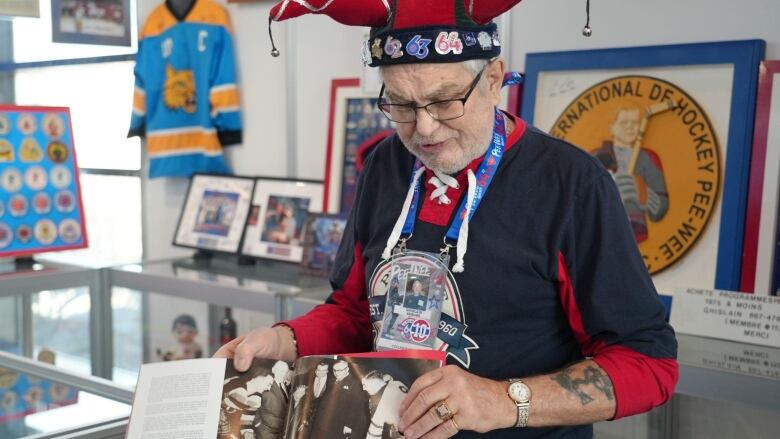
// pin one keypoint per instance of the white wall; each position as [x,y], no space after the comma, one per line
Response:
[325,50]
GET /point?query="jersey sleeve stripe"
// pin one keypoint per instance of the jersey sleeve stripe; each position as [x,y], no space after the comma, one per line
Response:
[161,143]
[224,99]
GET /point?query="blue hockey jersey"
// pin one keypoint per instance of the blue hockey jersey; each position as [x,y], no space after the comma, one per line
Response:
[186,101]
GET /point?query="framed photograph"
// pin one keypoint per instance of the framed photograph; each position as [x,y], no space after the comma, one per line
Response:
[761,270]
[279,211]
[103,22]
[40,190]
[355,127]
[215,213]
[674,126]
[322,236]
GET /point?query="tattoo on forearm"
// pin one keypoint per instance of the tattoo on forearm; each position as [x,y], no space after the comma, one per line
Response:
[592,376]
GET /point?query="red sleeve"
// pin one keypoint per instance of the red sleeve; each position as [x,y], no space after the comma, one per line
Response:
[340,325]
[640,381]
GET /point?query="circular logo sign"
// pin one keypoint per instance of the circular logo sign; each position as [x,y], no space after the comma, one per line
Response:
[36,178]
[663,153]
[65,201]
[61,177]
[6,151]
[419,330]
[70,231]
[17,205]
[5,125]
[41,203]
[30,151]
[53,125]
[24,234]
[45,231]
[26,123]
[6,235]
[57,152]
[11,180]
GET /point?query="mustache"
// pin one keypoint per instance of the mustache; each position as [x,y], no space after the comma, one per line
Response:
[417,140]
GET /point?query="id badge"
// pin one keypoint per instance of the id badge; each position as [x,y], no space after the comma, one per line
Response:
[413,302]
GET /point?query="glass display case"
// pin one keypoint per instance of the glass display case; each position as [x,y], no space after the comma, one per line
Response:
[39,401]
[182,308]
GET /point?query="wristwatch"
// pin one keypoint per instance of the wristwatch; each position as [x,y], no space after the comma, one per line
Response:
[521,396]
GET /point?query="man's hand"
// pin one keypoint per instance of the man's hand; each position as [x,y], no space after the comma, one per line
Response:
[275,343]
[479,404]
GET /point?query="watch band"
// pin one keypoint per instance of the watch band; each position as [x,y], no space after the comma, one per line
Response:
[523,408]
[522,415]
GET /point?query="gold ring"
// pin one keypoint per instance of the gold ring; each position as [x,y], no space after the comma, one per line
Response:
[443,411]
[457,427]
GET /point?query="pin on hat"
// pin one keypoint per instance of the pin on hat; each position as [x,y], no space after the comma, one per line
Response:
[412,31]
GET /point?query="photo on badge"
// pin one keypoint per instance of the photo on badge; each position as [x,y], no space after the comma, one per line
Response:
[413,304]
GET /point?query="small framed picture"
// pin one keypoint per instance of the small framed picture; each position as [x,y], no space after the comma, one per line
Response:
[101,22]
[215,213]
[279,211]
[355,127]
[322,237]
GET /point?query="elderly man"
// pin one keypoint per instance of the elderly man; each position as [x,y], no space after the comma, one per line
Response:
[548,326]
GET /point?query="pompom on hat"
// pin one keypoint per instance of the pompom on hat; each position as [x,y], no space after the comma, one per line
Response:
[411,31]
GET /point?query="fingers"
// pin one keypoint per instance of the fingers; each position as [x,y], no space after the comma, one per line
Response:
[428,424]
[445,430]
[419,384]
[256,343]
[226,351]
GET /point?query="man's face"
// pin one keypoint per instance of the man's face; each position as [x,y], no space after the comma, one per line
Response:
[417,287]
[340,370]
[447,146]
[280,371]
[372,385]
[626,127]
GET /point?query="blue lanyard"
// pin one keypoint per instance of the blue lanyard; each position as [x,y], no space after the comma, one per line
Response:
[484,176]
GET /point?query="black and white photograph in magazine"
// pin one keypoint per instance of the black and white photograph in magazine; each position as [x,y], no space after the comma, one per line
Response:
[350,397]
[254,403]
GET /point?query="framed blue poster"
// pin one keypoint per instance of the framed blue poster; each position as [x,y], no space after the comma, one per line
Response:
[677,121]
[40,194]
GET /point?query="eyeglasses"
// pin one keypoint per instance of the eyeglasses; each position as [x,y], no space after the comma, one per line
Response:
[447,109]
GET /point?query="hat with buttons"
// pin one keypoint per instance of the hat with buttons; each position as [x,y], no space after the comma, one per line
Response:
[411,31]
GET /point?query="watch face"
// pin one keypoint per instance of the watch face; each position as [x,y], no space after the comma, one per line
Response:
[519,392]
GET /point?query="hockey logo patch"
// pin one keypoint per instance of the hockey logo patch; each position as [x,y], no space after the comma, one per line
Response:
[179,90]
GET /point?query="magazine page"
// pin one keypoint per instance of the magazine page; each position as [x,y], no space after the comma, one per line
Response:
[353,396]
[254,403]
[177,400]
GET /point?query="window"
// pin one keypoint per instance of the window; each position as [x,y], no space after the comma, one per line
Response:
[99,92]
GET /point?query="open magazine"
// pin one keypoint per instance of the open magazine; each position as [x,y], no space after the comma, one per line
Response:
[353,396]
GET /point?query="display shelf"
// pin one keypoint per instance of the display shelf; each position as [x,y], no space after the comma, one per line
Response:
[67,405]
[259,287]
